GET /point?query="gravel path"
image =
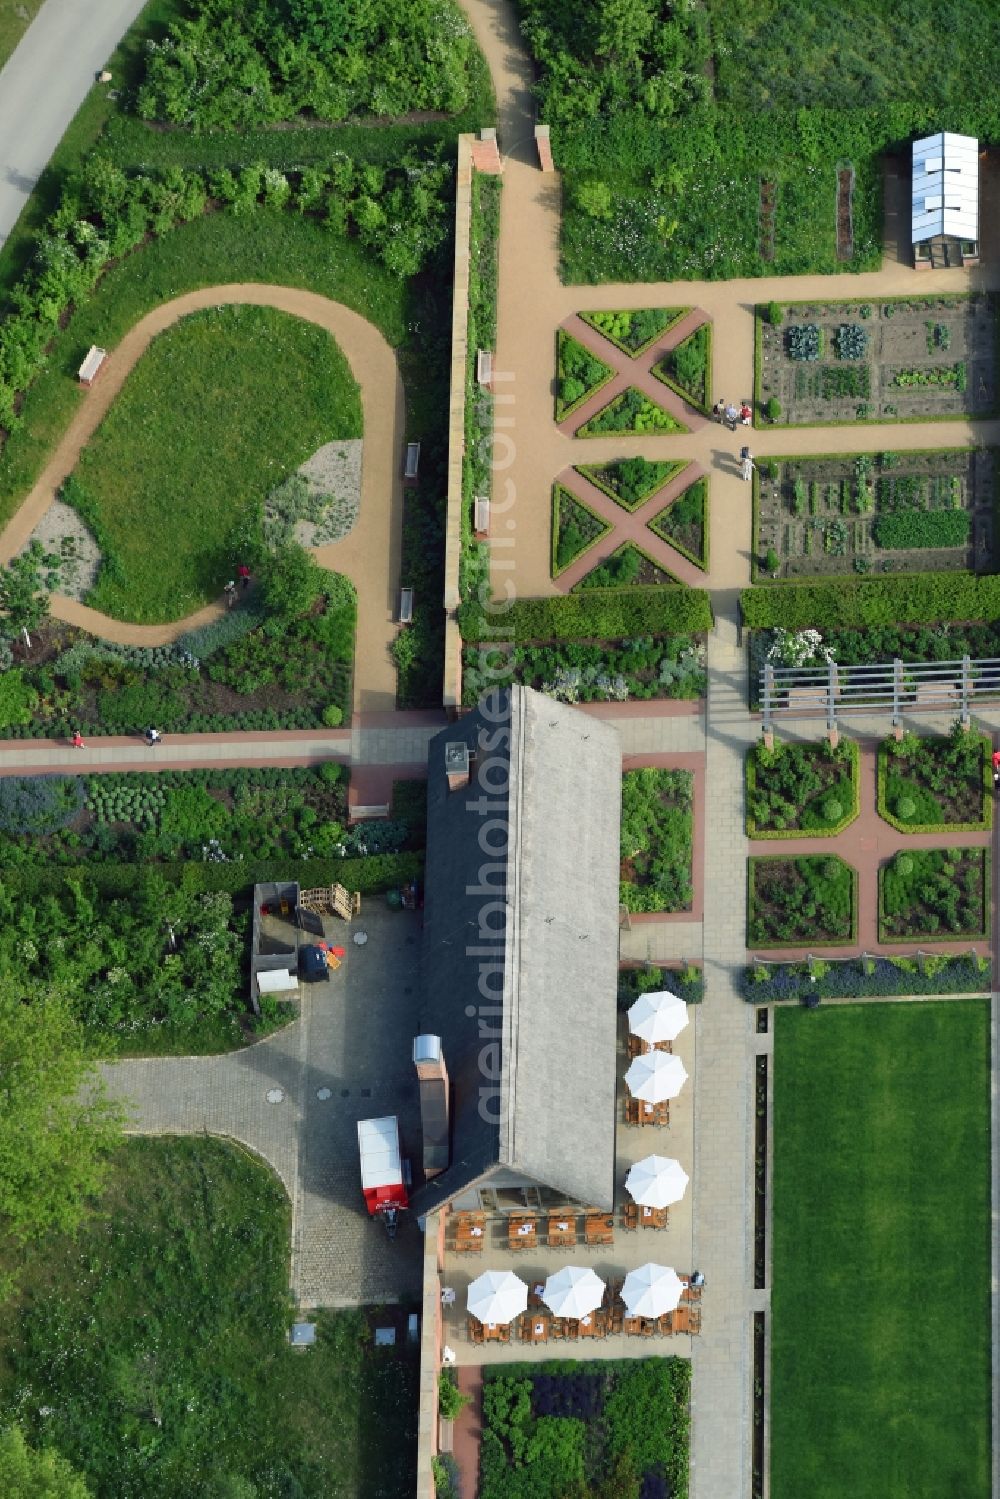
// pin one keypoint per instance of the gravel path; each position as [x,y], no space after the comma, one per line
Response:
[58,523]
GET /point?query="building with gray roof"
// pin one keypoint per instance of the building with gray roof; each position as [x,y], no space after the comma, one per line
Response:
[520,956]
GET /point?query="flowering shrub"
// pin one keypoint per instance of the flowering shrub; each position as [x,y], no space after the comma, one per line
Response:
[865,978]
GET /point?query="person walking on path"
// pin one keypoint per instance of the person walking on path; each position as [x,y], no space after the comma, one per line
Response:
[719,411]
[230,593]
[746,464]
[152,736]
[996,767]
[731,415]
[745,414]
[78,740]
[243,573]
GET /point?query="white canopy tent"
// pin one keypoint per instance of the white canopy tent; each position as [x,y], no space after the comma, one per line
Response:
[497,1296]
[652,1290]
[655,1076]
[656,1181]
[573,1292]
[660,1016]
[945,192]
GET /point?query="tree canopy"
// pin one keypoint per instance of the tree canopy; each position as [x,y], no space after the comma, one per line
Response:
[27,1474]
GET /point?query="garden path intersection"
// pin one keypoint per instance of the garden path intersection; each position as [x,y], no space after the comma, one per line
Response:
[226,1095]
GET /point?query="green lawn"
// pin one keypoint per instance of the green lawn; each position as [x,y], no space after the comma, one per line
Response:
[157,1340]
[880,1366]
[216,413]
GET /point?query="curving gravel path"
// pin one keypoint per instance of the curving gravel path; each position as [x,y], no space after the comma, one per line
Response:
[369,555]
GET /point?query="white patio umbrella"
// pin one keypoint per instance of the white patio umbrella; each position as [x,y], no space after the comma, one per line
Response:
[655,1076]
[652,1290]
[573,1292]
[658,1017]
[497,1296]
[656,1181]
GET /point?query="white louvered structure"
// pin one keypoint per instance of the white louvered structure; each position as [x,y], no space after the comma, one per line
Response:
[945,193]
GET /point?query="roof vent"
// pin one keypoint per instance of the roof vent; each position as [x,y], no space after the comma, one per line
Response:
[427,1052]
[456,764]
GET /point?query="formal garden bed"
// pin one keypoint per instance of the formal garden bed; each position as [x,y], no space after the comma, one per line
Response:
[869,513]
[866,977]
[802,790]
[635,332]
[176,477]
[879,1254]
[631,412]
[575,528]
[657,840]
[686,980]
[630,482]
[683,524]
[481,333]
[193,1234]
[930,785]
[801,901]
[257,667]
[207,816]
[687,369]
[909,359]
[583,671]
[627,567]
[935,894]
[561,1426]
[579,374]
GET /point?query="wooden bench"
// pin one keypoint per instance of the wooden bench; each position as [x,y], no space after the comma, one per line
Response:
[484,368]
[406,606]
[481,517]
[411,467]
[92,366]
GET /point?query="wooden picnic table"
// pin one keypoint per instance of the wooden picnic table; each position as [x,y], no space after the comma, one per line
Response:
[637,1047]
[522,1231]
[534,1327]
[561,1231]
[496,1332]
[599,1228]
[655,1217]
[470,1233]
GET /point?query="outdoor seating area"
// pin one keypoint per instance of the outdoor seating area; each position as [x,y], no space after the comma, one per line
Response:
[637,1112]
[470,1233]
[574,1303]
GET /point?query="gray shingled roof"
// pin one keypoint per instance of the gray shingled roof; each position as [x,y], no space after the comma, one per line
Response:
[521,931]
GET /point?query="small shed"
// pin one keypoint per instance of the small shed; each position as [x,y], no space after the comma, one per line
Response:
[944,201]
[92,366]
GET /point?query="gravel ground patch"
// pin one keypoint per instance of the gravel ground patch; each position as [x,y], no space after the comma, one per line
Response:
[59,522]
[319,503]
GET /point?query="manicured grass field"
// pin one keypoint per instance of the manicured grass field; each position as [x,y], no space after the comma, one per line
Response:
[157,1339]
[217,412]
[880,1365]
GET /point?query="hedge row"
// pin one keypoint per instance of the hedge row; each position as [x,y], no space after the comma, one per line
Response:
[600,614]
[370,876]
[922,598]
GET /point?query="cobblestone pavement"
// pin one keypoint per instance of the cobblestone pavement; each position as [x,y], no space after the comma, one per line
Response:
[346,1057]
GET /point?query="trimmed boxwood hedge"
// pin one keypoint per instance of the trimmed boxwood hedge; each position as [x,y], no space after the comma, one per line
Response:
[826,830]
[851,603]
[865,978]
[887,763]
[604,614]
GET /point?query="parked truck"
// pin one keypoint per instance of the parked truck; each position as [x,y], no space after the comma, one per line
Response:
[382,1170]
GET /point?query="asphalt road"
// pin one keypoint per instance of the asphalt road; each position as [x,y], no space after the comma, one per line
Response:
[44,84]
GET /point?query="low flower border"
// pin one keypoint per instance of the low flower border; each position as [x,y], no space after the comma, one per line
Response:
[557,491]
[660,374]
[588,318]
[815,938]
[699,562]
[588,471]
[753,831]
[564,415]
[676,428]
[981,935]
[981,826]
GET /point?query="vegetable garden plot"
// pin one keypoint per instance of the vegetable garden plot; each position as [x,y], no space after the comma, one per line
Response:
[924,511]
[917,359]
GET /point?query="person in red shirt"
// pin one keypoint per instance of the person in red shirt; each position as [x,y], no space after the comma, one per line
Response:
[79,744]
[996,767]
[243,573]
